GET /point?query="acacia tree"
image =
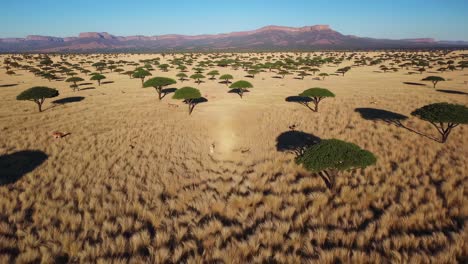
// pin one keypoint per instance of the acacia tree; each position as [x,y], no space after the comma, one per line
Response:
[323,75]
[343,70]
[74,80]
[253,72]
[181,76]
[197,77]
[316,95]
[213,73]
[158,83]
[98,78]
[433,79]
[226,78]
[241,87]
[331,156]
[37,94]
[190,96]
[443,116]
[141,73]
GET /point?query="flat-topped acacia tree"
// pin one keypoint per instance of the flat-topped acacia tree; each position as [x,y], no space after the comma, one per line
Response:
[158,83]
[189,95]
[74,80]
[197,77]
[434,80]
[443,116]
[323,75]
[316,94]
[240,87]
[181,76]
[37,94]
[331,156]
[141,74]
[226,78]
[98,78]
[213,73]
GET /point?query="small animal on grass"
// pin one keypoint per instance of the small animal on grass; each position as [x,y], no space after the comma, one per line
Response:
[212,147]
[173,105]
[57,134]
[293,126]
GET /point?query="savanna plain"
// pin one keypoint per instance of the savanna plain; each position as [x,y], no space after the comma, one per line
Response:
[136,179]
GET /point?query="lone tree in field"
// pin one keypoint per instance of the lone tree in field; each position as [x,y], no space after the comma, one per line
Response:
[330,156]
[253,72]
[190,96]
[316,94]
[433,79]
[98,78]
[323,75]
[181,76]
[197,77]
[343,70]
[142,74]
[213,74]
[226,78]
[443,116]
[37,94]
[158,83]
[240,87]
[74,80]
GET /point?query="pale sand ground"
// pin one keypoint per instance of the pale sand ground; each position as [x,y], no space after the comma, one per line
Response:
[93,177]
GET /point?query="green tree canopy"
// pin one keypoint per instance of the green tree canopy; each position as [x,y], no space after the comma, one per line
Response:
[241,86]
[333,155]
[158,83]
[97,77]
[316,94]
[74,80]
[226,78]
[443,116]
[38,94]
[142,74]
[213,74]
[189,95]
[197,77]
[433,79]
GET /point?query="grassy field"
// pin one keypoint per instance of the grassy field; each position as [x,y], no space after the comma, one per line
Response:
[135,180]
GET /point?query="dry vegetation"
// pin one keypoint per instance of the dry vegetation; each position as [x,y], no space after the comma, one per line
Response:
[135,181]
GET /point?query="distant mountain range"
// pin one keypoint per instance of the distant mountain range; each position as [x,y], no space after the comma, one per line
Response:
[269,38]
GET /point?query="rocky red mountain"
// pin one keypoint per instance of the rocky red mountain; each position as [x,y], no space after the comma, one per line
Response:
[267,38]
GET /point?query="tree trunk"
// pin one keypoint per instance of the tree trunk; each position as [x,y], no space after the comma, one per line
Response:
[158,90]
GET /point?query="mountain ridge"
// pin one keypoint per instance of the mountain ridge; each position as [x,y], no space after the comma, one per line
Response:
[271,37]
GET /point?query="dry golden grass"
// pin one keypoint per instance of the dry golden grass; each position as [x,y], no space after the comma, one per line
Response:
[135,180]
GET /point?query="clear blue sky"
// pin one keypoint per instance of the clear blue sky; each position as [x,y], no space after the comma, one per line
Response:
[440,19]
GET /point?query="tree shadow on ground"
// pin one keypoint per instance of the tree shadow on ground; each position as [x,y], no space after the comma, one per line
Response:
[414,83]
[452,92]
[8,85]
[302,100]
[295,141]
[167,91]
[15,165]
[82,84]
[225,82]
[107,82]
[375,114]
[88,88]
[67,100]
[237,91]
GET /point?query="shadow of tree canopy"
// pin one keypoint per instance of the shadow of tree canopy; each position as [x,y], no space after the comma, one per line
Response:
[167,91]
[238,91]
[87,88]
[8,85]
[199,100]
[414,83]
[295,141]
[375,114]
[452,92]
[67,100]
[16,165]
[303,100]
[107,82]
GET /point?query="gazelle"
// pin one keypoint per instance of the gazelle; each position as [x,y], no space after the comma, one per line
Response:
[57,134]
